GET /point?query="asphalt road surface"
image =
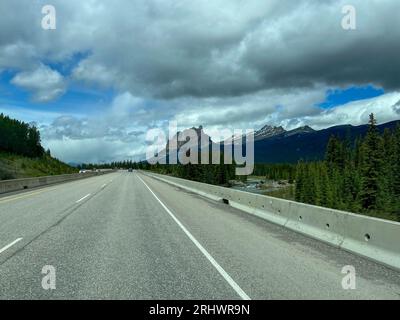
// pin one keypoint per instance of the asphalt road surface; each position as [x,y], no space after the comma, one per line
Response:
[128,236]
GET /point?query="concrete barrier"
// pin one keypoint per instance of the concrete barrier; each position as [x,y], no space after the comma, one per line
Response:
[29,183]
[373,238]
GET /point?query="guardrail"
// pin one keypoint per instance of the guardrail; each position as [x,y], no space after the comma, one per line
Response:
[21,184]
[373,238]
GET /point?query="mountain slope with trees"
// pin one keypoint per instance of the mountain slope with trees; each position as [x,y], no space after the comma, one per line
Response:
[308,145]
[361,177]
[21,152]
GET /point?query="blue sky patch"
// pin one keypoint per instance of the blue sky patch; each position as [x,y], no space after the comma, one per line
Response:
[336,97]
[77,99]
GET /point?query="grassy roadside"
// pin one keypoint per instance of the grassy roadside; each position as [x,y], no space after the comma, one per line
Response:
[286,193]
[15,166]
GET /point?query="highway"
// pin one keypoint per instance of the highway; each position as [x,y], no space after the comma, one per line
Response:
[128,236]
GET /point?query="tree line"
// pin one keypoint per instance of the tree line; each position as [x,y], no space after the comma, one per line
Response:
[218,174]
[363,177]
[19,138]
[126,164]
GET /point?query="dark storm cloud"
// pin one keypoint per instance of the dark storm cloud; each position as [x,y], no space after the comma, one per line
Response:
[361,62]
[170,49]
[234,48]
[220,63]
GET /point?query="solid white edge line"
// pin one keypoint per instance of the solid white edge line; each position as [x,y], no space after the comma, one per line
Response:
[88,195]
[224,274]
[10,245]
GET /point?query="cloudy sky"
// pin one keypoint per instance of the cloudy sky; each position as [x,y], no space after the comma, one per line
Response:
[114,69]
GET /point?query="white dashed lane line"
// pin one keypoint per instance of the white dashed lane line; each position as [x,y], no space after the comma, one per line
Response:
[10,245]
[88,195]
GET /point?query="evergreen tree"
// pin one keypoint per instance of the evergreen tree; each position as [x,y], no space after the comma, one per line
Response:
[19,138]
[371,165]
[300,183]
[335,154]
[396,172]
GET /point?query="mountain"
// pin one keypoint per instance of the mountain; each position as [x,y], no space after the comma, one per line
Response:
[300,130]
[199,132]
[203,140]
[277,145]
[268,132]
[306,143]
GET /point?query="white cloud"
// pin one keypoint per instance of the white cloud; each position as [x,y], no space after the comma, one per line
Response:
[356,113]
[17,55]
[120,133]
[222,63]
[45,83]
[223,48]
[94,150]
[89,72]
[251,111]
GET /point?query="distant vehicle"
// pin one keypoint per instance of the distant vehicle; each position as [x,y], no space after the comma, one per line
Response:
[83,171]
[130,170]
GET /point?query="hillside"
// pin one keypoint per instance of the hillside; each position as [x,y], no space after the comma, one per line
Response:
[308,145]
[14,166]
[21,152]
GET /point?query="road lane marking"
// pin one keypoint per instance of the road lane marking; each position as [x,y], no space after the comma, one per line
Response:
[224,274]
[82,182]
[10,245]
[81,199]
[25,195]
[104,185]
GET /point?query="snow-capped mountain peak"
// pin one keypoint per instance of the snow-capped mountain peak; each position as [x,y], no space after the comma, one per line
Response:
[268,132]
